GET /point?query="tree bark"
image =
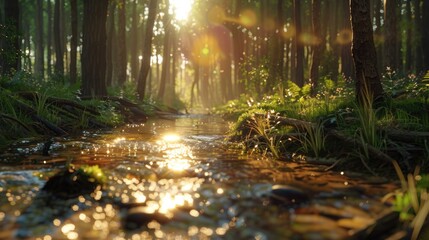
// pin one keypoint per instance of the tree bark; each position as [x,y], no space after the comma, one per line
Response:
[425,34]
[59,51]
[94,48]
[39,56]
[391,35]
[134,39]
[121,45]
[10,55]
[147,50]
[49,39]
[166,54]
[314,70]
[73,42]
[299,60]
[110,43]
[363,49]
[408,59]
[346,35]
[418,32]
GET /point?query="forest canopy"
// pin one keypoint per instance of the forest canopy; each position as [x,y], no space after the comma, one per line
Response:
[205,53]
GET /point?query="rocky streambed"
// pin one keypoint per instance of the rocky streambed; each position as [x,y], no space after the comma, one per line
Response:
[178,179]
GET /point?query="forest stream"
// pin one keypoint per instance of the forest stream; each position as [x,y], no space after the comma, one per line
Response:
[179,179]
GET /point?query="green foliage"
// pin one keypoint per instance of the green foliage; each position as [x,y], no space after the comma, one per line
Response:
[412,202]
[92,174]
[313,140]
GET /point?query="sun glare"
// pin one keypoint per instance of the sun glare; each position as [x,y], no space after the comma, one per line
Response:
[182,8]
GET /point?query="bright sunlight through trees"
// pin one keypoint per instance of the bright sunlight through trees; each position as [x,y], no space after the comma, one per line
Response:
[181,9]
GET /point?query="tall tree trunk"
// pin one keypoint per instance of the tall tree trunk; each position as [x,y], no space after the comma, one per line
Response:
[59,51]
[425,34]
[346,44]
[49,39]
[134,39]
[39,53]
[299,77]
[10,58]
[147,50]
[378,33]
[314,70]
[166,54]
[121,45]
[110,43]
[281,52]
[391,34]
[73,42]
[94,48]
[418,33]
[408,57]
[364,55]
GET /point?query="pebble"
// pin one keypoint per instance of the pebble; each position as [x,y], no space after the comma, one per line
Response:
[288,195]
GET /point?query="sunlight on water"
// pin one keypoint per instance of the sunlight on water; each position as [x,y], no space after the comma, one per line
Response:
[171,137]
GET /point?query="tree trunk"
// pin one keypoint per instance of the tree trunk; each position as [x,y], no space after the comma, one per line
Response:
[73,42]
[299,74]
[166,54]
[49,39]
[378,33]
[408,58]
[10,58]
[59,51]
[121,45]
[281,53]
[425,34]
[363,49]
[147,50]
[39,53]
[314,70]
[391,35]
[418,32]
[134,39]
[110,39]
[346,44]
[94,48]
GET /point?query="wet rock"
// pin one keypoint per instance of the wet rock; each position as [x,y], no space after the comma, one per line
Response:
[72,182]
[288,195]
[140,216]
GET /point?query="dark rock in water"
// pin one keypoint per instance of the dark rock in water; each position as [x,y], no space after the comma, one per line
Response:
[72,182]
[140,216]
[288,195]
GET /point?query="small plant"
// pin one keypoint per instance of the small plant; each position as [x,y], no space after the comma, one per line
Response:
[261,125]
[313,139]
[412,202]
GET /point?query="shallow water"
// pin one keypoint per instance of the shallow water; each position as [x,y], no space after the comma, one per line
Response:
[179,179]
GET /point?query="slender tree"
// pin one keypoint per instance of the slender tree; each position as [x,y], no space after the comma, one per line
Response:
[391,34]
[111,36]
[168,28]
[10,48]
[425,33]
[134,39]
[49,39]
[363,49]
[73,42]
[299,58]
[317,51]
[59,51]
[94,48]
[418,33]
[147,50]
[39,53]
[121,45]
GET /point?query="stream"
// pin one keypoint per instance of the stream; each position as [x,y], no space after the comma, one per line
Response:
[179,179]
